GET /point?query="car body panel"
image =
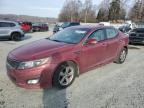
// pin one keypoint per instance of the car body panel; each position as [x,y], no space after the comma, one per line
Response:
[85,56]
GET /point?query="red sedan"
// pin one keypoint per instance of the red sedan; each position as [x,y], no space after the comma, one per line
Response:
[57,60]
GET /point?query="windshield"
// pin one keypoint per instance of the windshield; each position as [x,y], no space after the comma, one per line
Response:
[71,36]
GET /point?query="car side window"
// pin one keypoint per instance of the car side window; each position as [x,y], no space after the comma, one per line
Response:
[111,33]
[5,24]
[99,35]
[12,24]
[0,24]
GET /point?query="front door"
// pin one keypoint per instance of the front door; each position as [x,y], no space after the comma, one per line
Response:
[93,55]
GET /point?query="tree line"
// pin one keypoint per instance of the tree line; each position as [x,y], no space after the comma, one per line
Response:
[108,10]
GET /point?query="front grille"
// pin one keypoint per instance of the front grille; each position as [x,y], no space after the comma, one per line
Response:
[132,34]
[141,35]
[13,63]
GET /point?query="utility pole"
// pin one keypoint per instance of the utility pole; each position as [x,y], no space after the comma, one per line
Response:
[86,12]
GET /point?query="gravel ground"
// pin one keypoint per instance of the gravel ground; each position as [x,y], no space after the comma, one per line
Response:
[110,86]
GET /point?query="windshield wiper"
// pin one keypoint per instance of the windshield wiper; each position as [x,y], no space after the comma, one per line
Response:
[54,40]
[60,41]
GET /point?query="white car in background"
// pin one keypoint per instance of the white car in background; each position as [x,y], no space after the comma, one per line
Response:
[10,30]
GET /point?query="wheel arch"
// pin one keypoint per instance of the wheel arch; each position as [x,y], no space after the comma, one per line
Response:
[14,33]
[126,47]
[72,61]
[68,61]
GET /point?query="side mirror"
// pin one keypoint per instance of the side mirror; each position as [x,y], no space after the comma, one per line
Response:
[91,42]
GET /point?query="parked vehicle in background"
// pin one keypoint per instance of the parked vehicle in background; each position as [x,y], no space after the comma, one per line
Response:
[57,60]
[10,30]
[65,25]
[26,26]
[56,27]
[125,28]
[38,27]
[136,36]
[69,24]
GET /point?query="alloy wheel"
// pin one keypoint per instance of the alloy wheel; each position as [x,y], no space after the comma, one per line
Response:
[123,56]
[66,75]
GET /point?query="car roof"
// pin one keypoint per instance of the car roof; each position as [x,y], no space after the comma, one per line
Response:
[8,21]
[90,26]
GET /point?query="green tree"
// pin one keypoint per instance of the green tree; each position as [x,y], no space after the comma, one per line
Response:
[102,15]
[114,10]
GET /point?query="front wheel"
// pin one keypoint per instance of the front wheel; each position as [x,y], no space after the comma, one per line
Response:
[122,56]
[64,75]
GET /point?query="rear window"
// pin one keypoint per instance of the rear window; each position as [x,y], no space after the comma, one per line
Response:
[111,33]
[74,24]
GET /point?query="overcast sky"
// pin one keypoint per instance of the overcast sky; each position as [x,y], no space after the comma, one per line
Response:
[42,8]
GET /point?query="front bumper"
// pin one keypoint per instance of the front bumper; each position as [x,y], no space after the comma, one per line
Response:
[134,39]
[20,77]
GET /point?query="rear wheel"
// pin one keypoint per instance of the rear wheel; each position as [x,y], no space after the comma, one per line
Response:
[122,56]
[64,75]
[16,36]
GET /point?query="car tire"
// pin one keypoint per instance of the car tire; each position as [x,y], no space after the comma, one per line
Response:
[16,36]
[64,75]
[122,56]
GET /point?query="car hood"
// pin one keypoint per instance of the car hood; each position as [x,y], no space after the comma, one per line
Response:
[39,49]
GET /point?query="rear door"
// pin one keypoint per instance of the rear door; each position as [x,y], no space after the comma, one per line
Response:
[112,43]
[93,55]
[4,28]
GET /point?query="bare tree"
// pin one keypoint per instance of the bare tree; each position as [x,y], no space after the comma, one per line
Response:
[74,10]
[70,11]
[88,13]
[137,11]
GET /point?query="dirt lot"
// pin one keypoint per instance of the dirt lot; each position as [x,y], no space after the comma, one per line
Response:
[111,86]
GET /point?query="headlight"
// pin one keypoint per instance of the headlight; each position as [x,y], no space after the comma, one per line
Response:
[35,63]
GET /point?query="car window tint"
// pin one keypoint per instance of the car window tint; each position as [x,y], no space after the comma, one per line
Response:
[5,24]
[11,24]
[0,24]
[99,35]
[70,35]
[111,33]
[74,24]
